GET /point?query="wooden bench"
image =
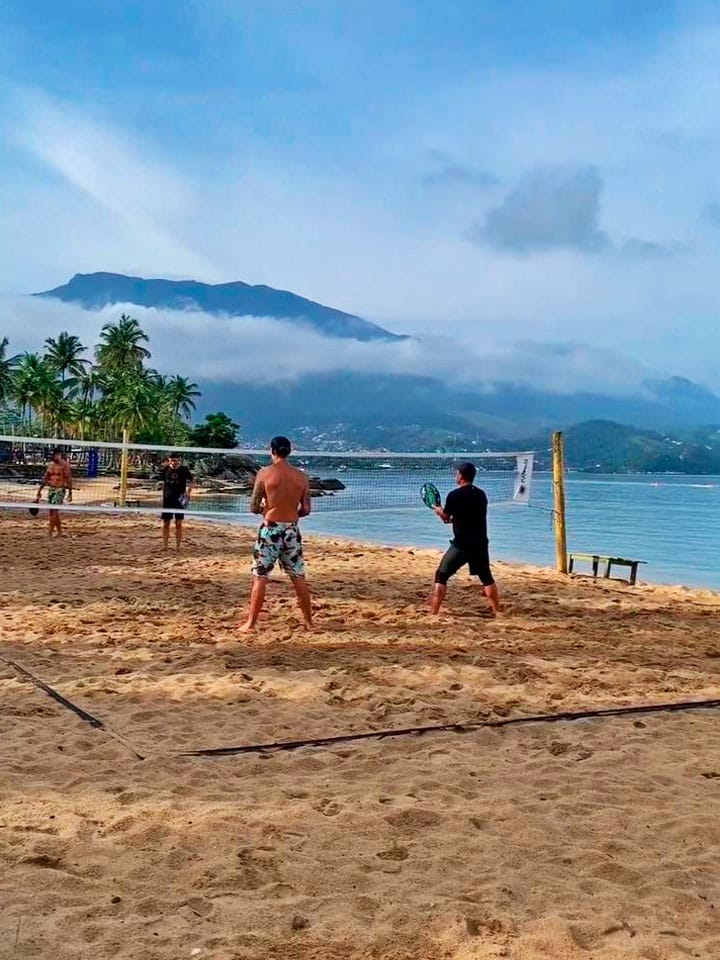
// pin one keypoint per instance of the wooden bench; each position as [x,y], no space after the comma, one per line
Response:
[597,558]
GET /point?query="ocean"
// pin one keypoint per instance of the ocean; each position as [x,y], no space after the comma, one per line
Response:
[671,522]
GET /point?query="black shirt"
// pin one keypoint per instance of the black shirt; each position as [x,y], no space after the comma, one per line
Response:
[175,483]
[467,508]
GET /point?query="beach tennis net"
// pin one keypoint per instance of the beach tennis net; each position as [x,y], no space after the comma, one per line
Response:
[113,478]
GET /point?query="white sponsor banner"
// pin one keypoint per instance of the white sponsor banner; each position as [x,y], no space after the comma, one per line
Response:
[523,478]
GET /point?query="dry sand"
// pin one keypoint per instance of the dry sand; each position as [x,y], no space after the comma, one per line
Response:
[593,840]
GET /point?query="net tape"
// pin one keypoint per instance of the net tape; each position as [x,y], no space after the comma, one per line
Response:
[223,479]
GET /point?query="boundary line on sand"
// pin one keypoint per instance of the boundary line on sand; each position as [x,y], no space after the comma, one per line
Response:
[290,745]
[567,716]
[73,707]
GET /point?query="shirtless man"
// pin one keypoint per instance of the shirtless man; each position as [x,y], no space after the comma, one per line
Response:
[282,495]
[58,480]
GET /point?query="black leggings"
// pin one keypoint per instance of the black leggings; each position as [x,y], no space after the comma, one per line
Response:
[455,558]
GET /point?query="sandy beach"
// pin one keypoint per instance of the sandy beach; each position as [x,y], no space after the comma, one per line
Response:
[592,840]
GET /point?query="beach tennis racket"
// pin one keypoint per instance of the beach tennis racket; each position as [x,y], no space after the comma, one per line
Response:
[430,495]
[33,511]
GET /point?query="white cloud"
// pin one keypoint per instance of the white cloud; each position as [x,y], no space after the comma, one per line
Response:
[364,233]
[262,350]
[141,199]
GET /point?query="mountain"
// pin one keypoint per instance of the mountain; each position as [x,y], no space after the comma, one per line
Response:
[600,446]
[387,410]
[403,412]
[97,290]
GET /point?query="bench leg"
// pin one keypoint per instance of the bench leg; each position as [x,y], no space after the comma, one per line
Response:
[607,569]
[633,574]
[596,563]
[570,565]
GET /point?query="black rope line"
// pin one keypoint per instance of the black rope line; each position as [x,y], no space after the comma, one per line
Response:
[567,716]
[69,705]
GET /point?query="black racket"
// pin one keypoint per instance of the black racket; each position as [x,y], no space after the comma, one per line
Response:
[33,511]
[430,495]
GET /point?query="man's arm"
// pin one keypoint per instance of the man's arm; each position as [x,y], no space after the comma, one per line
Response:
[68,480]
[258,494]
[445,513]
[43,483]
[305,502]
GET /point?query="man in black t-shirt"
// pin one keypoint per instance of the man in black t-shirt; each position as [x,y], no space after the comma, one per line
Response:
[466,508]
[177,485]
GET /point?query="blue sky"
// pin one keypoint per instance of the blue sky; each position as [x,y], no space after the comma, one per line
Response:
[535,172]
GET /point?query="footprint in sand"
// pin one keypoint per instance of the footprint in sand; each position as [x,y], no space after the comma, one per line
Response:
[394,853]
[413,821]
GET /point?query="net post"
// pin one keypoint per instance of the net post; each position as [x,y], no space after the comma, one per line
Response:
[124,461]
[559,502]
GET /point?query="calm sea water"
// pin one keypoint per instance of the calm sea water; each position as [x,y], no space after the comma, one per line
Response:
[671,522]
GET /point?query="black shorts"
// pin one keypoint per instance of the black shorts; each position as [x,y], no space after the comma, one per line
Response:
[455,558]
[168,507]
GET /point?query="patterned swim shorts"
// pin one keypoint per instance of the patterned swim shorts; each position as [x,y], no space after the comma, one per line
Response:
[56,496]
[278,541]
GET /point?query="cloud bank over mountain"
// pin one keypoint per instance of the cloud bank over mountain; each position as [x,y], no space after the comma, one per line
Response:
[266,350]
[554,182]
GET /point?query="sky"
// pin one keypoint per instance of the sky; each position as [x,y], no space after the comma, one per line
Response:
[519,180]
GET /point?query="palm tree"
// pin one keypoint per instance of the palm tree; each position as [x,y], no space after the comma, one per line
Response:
[131,402]
[81,417]
[181,394]
[64,354]
[28,377]
[89,384]
[7,372]
[58,410]
[121,351]
[38,389]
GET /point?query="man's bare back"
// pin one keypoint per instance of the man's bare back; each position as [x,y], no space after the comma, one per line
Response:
[281,493]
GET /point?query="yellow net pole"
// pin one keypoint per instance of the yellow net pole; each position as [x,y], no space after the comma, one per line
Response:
[124,464]
[559,502]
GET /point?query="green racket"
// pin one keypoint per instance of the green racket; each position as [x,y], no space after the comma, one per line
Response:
[430,495]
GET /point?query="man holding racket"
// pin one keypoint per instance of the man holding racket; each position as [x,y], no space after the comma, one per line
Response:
[466,509]
[58,480]
[177,481]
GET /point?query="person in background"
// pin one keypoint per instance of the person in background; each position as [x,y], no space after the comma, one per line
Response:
[177,481]
[466,509]
[58,480]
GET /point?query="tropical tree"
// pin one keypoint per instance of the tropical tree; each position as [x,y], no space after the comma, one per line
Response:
[181,394]
[89,384]
[31,376]
[121,351]
[64,355]
[218,430]
[7,372]
[129,402]
[64,392]
[81,417]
